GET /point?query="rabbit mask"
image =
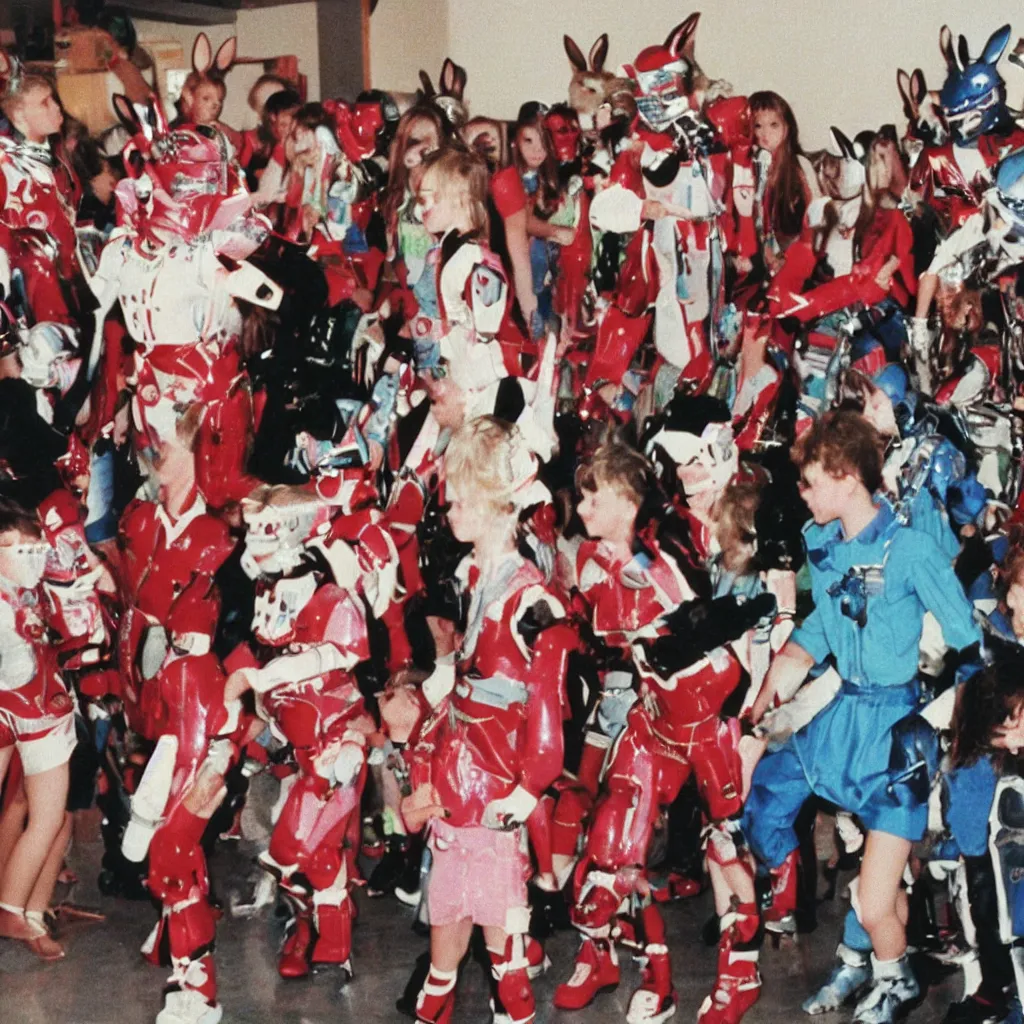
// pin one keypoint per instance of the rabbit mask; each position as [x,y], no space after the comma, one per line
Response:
[973,98]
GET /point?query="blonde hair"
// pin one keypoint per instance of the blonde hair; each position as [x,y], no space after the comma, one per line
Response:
[481,461]
[463,177]
[12,96]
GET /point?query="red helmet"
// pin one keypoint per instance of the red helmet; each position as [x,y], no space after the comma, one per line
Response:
[663,76]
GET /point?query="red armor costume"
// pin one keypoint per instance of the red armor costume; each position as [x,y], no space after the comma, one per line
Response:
[176,264]
[200,739]
[37,227]
[669,276]
[673,730]
[165,559]
[491,747]
[309,634]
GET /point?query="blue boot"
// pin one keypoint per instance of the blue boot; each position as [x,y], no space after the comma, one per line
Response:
[894,986]
[848,977]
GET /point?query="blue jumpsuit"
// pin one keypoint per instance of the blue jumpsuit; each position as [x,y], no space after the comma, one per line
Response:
[870,595]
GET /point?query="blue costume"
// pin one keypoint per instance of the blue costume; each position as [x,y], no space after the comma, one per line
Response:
[870,595]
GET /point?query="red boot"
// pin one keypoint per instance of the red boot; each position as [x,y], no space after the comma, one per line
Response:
[537,961]
[738,985]
[597,970]
[655,1000]
[780,917]
[294,959]
[334,934]
[436,1000]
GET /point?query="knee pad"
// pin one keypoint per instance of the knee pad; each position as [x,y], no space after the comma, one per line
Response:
[191,930]
[177,866]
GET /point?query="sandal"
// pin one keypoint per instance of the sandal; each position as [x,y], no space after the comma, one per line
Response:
[42,943]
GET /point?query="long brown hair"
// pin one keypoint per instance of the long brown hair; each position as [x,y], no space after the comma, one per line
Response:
[531,115]
[788,197]
[398,173]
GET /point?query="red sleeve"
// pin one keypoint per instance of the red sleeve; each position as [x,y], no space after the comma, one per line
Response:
[507,192]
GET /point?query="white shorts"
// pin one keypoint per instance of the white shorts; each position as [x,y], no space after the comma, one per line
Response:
[42,743]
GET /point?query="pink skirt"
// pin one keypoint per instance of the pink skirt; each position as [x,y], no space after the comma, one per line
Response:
[477,873]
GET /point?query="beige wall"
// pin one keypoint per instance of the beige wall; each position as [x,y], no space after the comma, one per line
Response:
[834,60]
[406,35]
[265,32]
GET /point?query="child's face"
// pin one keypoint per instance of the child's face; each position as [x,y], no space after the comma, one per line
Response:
[22,558]
[38,115]
[530,144]
[440,210]
[769,130]
[204,103]
[604,509]
[1010,736]
[827,496]
[423,140]
[1015,604]
[281,124]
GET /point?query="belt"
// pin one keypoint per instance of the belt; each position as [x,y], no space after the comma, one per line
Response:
[902,693]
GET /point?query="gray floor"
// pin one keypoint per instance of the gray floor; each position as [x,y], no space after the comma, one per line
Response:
[103,979]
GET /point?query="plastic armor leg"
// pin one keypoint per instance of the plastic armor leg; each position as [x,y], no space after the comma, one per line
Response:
[567,822]
[540,829]
[738,985]
[655,999]
[618,338]
[780,916]
[333,921]
[436,1000]
[510,971]
[191,993]
[894,985]
[597,970]
[293,960]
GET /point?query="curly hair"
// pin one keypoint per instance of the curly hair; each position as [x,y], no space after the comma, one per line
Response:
[843,442]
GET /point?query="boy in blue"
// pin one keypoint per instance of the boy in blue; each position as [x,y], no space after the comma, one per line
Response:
[873,579]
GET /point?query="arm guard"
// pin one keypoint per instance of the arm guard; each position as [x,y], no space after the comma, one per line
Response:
[698,627]
[297,668]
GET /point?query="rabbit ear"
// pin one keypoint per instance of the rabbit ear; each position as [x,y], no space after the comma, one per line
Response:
[461,77]
[904,86]
[946,48]
[844,145]
[447,76]
[428,85]
[126,113]
[918,89]
[599,52]
[226,54]
[574,53]
[202,54]
[682,39]
[962,52]
[996,45]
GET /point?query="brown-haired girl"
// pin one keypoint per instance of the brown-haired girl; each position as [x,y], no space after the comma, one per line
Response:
[533,156]
[472,287]
[786,184]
